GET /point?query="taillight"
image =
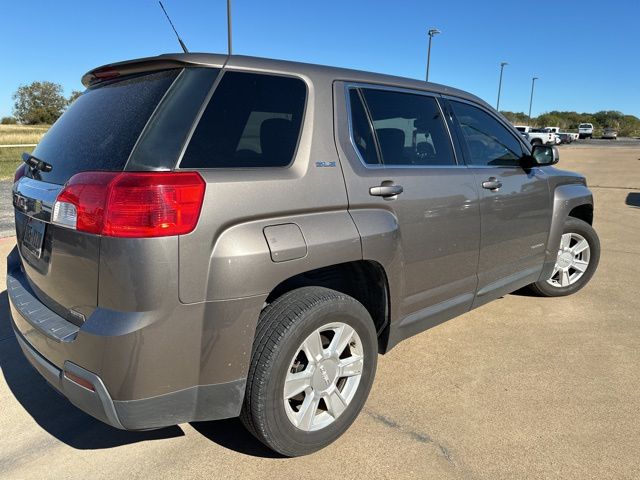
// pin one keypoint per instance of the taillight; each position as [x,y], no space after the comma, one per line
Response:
[20,172]
[131,204]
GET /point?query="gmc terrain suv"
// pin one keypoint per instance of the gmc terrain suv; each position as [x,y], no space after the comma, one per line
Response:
[203,236]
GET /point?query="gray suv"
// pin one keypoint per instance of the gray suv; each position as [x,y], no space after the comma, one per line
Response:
[203,237]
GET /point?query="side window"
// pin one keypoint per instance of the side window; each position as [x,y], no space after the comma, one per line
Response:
[361,130]
[409,127]
[488,142]
[252,120]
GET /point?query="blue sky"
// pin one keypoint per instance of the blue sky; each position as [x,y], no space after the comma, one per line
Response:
[586,53]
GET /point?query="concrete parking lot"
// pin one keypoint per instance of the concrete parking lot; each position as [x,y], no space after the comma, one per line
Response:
[523,387]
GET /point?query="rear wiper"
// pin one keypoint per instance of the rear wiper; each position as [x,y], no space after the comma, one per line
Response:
[35,163]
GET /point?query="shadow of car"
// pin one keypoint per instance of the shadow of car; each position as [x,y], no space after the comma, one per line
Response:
[52,411]
[633,199]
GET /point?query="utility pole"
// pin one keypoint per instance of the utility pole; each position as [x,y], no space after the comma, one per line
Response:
[533,83]
[431,33]
[502,65]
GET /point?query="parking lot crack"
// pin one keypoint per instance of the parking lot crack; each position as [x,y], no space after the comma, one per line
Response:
[421,437]
[613,187]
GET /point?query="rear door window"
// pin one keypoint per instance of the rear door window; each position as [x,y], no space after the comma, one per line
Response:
[409,128]
[252,120]
[101,127]
[361,131]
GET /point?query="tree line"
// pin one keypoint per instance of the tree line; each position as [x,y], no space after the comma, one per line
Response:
[43,102]
[39,103]
[627,125]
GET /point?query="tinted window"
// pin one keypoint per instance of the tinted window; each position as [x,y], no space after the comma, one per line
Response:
[252,120]
[100,128]
[409,128]
[361,130]
[162,141]
[487,140]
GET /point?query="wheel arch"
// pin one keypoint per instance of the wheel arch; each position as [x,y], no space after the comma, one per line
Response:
[583,212]
[364,280]
[574,198]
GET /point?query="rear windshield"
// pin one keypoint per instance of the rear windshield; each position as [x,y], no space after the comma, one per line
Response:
[585,125]
[100,128]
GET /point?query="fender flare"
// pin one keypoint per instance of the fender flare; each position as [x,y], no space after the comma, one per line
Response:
[565,199]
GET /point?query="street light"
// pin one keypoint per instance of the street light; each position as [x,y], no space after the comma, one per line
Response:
[431,33]
[533,83]
[502,65]
[229,49]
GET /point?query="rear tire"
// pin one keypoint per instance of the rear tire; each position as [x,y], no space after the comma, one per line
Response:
[569,259]
[293,343]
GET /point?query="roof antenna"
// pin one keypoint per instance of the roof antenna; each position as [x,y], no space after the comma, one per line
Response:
[184,47]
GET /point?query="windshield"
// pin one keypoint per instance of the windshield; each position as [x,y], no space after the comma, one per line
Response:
[585,125]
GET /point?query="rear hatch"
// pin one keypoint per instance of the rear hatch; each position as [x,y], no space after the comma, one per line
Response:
[98,132]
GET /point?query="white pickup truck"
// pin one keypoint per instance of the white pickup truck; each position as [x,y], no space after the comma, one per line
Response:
[556,130]
[585,130]
[536,137]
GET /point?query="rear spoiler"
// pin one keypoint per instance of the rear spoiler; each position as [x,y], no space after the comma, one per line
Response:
[150,64]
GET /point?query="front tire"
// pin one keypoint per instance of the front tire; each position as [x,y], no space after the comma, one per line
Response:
[577,261]
[312,366]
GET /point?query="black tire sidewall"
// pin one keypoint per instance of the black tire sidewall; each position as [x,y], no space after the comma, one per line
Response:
[281,433]
[575,225]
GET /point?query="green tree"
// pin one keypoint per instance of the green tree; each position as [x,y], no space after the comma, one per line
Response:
[551,119]
[39,102]
[517,118]
[74,94]
[8,121]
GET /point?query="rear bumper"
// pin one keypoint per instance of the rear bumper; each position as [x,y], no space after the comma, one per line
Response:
[147,369]
[96,403]
[202,402]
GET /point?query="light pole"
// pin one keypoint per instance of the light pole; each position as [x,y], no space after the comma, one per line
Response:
[431,33]
[533,83]
[229,27]
[502,65]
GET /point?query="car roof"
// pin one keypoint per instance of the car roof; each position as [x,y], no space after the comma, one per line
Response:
[313,71]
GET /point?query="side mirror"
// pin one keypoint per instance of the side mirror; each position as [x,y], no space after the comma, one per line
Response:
[541,156]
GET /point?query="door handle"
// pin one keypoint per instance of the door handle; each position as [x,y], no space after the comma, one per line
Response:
[386,191]
[492,184]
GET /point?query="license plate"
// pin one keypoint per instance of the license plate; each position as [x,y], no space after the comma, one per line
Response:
[34,237]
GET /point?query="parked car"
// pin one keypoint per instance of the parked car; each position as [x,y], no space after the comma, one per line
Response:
[248,234]
[555,131]
[562,137]
[585,130]
[537,136]
[610,134]
[523,130]
[565,137]
[541,136]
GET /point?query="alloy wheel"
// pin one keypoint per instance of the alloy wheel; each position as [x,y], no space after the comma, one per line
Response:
[323,376]
[572,261]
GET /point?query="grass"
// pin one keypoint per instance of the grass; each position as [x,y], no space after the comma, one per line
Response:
[10,158]
[19,134]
